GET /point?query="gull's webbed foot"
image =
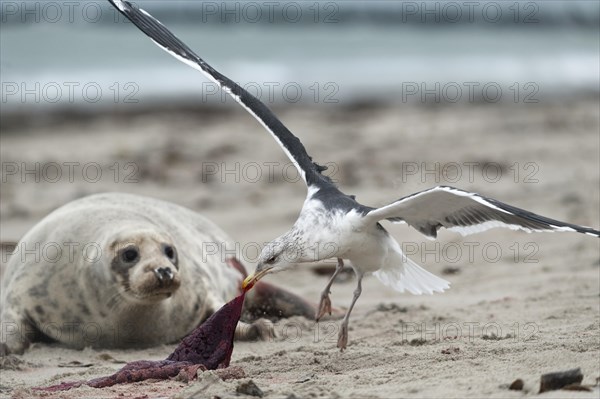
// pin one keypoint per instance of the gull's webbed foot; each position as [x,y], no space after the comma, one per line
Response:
[343,337]
[324,306]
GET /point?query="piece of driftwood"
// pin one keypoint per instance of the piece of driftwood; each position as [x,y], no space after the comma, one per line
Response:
[558,380]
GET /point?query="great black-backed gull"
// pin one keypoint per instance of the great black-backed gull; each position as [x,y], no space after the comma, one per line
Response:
[332,224]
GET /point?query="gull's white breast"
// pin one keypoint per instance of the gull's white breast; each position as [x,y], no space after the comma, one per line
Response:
[367,247]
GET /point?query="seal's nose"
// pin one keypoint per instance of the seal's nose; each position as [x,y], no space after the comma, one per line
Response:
[164,275]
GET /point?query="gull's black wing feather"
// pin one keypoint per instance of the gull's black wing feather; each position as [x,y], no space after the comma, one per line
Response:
[291,145]
[466,213]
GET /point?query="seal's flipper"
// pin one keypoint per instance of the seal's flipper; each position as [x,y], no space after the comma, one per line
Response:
[262,329]
[271,302]
[17,332]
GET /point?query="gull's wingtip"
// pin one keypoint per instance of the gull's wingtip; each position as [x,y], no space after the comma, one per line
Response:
[592,232]
[121,5]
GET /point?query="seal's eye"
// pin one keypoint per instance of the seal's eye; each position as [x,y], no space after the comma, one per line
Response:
[129,255]
[169,251]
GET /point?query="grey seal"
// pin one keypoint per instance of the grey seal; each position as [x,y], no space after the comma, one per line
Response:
[124,271]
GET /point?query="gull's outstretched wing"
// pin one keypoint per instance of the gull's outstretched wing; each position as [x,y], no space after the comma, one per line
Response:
[291,145]
[466,213]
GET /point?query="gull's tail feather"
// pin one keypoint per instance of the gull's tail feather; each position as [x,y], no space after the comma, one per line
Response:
[406,275]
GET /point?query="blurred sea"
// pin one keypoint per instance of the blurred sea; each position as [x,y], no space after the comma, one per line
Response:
[83,54]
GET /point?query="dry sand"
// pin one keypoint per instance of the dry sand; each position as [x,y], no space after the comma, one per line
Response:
[520,305]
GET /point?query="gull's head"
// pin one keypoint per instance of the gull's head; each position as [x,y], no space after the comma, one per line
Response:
[276,256]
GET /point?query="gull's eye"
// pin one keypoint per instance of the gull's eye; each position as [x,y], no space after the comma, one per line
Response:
[129,255]
[271,260]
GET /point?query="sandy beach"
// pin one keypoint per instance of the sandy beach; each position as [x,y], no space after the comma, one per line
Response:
[520,305]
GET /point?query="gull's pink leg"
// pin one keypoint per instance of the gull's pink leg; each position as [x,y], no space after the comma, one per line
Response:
[343,335]
[325,303]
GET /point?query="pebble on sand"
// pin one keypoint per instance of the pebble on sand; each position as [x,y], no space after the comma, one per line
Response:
[249,388]
[558,380]
[517,385]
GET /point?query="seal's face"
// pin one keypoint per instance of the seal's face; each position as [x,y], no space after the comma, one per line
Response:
[146,265]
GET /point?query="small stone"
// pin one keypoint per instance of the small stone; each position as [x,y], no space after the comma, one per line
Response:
[417,342]
[249,388]
[451,350]
[517,385]
[558,380]
[450,270]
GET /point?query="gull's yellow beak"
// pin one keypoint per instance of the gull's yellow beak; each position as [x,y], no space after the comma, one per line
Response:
[253,278]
